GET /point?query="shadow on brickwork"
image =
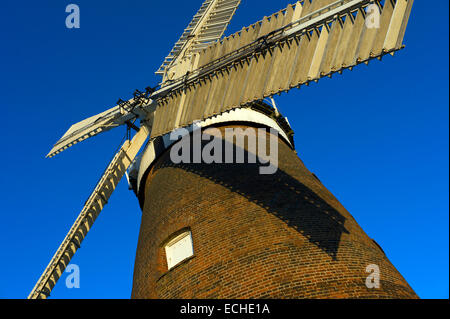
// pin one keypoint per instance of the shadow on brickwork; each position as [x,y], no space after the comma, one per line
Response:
[279,194]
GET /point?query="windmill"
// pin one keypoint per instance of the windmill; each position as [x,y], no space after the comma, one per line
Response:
[205,76]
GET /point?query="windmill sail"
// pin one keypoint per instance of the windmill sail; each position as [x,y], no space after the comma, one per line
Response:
[207,26]
[114,117]
[92,208]
[302,43]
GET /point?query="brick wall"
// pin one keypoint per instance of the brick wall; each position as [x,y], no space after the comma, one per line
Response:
[255,236]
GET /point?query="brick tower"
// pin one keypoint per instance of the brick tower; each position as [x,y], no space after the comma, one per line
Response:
[252,236]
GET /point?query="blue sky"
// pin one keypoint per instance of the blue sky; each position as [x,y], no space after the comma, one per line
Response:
[377,137]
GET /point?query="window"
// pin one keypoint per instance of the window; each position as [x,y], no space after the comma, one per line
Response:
[179,248]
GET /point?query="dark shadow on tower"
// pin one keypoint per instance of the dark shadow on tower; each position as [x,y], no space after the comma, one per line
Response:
[279,194]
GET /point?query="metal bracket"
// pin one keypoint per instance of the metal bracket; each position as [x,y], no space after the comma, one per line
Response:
[131,125]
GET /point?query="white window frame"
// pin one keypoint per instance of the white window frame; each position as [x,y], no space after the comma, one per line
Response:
[179,249]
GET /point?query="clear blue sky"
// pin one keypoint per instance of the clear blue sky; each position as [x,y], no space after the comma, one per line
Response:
[377,137]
